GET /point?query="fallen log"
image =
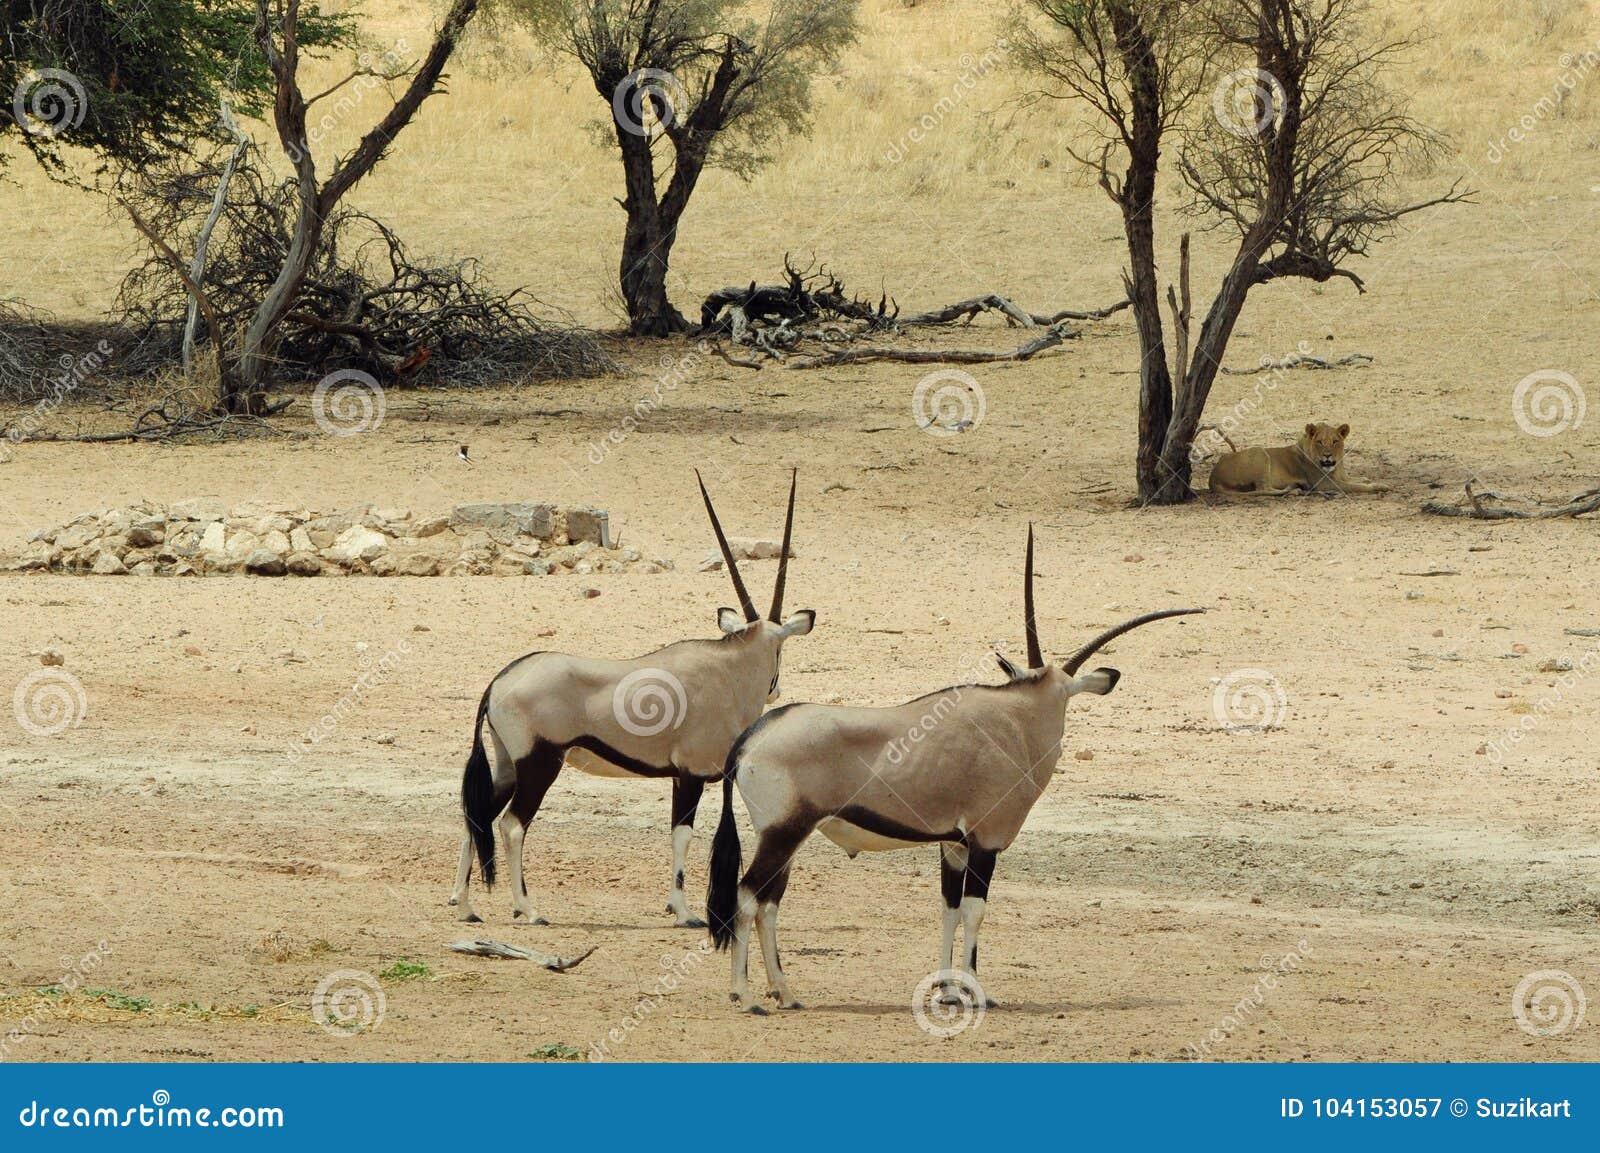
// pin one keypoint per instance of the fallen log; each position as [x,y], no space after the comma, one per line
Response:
[1052,337]
[1481,508]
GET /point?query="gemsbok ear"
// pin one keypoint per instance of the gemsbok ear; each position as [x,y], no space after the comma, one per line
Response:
[1097,681]
[730,620]
[1008,668]
[799,624]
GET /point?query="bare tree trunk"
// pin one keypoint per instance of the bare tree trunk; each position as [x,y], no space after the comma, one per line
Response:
[197,267]
[646,243]
[1136,195]
[246,390]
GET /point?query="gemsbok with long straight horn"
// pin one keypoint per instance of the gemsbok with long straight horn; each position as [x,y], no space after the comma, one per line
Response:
[960,768]
[673,714]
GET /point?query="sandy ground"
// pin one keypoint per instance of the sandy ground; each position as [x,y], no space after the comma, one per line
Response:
[1370,879]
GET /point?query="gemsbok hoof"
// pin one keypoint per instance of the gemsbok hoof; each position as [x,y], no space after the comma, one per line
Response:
[525,919]
[690,923]
[469,917]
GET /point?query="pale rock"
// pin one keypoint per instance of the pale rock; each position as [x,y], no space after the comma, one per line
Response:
[430,526]
[212,539]
[144,568]
[277,543]
[107,564]
[303,563]
[241,543]
[357,543]
[264,562]
[589,526]
[418,564]
[521,517]
[300,540]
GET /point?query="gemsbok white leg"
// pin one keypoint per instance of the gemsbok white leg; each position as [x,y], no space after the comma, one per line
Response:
[686,792]
[974,900]
[459,898]
[952,875]
[741,952]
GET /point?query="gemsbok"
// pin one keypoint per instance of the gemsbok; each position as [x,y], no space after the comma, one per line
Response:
[673,713]
[961,767]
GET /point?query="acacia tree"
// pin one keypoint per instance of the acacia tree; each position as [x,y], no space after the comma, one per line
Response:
[1299,151]
[691,84]
[127,82]
[278,35]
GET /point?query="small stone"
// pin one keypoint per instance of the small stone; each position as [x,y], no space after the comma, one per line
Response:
[303,564]
[191,650]
[1519,648]
[589,593]
[1413,595]
[1438,632]
[592,525]
[107,564]
[1133,558]
[1084,755]
[265,562]
[52,658]
[357,543]
[1503,694]
[384,739]
[418,564]
[1482,750]
[1556,665]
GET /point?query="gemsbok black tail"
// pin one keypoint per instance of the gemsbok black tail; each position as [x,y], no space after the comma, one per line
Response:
[477,796]
[722,894]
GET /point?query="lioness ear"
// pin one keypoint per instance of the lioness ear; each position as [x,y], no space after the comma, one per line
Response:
[1311,430]
[1344,431]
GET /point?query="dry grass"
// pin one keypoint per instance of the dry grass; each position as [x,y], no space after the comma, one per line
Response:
[504,166]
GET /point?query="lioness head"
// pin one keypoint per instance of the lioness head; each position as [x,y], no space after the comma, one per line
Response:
[1323,445]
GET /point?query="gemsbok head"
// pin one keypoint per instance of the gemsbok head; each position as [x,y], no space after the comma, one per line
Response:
[673,714]
[961,768]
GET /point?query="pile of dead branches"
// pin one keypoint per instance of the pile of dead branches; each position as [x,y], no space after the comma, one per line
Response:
[367,303]
[809,321]
[44,358]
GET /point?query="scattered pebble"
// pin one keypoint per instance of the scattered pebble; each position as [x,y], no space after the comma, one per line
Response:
[52,658]
[1519,648]
[1084,755]
[1556,665]
[590,593]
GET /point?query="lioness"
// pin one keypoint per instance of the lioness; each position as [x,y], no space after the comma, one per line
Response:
[1314,463]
